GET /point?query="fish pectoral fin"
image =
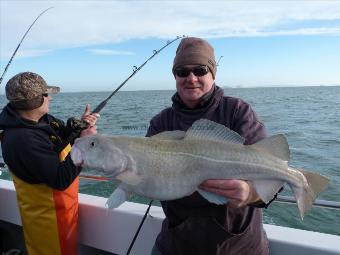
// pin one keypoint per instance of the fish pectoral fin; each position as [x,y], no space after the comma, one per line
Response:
[170,135]
[276,145]
[212,198]
[204,129]
[266,189]
[118,197]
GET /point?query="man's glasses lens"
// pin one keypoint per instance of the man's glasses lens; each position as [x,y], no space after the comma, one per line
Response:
[45,95]
[197,71]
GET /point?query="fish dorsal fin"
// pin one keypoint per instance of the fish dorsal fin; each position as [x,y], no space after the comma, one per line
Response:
[170,135]
[276,145]
[208,130]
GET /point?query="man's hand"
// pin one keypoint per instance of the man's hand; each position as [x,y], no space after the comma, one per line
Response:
[89,131]
[89,118]
[240,193]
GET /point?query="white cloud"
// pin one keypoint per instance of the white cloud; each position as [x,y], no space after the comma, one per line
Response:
[25,53]
[108,52]
[90,23]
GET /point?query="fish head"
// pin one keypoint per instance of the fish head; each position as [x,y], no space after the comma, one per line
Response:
[98,153]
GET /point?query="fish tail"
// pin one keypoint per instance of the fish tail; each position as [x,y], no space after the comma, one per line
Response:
[305,195]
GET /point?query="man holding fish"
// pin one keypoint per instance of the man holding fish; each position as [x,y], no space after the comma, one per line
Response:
[207,159]
[192,224]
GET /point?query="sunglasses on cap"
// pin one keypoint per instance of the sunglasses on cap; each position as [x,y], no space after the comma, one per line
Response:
[197,71]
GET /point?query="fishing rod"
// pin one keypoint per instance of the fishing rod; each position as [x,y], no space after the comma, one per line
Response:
[135,70]
[77,124]
[22,39]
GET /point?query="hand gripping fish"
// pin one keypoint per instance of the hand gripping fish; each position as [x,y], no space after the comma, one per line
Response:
[172,164]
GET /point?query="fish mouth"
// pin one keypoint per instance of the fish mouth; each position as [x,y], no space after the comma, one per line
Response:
[76,156]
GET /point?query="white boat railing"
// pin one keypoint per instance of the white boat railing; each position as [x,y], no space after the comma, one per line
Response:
[317,203]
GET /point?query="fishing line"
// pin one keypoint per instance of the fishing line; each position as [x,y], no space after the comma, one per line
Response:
[139,228]
[4,169]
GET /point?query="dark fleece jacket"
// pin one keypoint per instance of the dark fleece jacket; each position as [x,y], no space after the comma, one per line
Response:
[31,149]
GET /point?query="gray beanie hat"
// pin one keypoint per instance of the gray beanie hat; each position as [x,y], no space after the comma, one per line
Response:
[25,91]
[195,51]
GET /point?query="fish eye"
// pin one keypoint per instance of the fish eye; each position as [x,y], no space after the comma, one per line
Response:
[92,144]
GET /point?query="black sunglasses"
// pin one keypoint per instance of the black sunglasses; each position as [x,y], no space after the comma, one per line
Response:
[197,71]
[45,95]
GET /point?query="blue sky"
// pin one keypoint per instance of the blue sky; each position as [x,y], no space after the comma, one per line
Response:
[93,45]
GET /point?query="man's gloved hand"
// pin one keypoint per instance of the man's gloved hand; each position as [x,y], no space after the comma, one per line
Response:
[85,126]
[87,119]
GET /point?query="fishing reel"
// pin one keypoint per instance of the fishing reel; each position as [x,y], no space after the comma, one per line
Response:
[76,124]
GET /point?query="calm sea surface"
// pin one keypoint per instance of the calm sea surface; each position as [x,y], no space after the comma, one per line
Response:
[308,116]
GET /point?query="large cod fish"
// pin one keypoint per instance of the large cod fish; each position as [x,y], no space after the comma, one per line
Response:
[172,164]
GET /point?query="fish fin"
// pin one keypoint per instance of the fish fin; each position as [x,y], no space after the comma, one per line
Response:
[209,130]
[169,135]
[317,182]
[266,189]
[129,177]
[118,197]
[306,195]
[213,198]
[276,145]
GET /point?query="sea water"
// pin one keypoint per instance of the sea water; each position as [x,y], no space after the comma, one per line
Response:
[308,116]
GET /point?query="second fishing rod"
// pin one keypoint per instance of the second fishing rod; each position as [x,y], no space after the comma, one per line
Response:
[78,125]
